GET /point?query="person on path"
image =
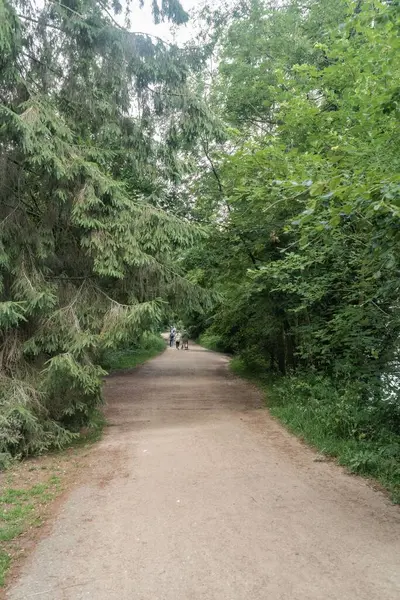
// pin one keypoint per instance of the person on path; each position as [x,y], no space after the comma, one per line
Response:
[172,334]
[178,340]
[185,340]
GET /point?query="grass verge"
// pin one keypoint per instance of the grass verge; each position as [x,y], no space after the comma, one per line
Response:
[132,356]
[28,490]
[361,437]
[20,509]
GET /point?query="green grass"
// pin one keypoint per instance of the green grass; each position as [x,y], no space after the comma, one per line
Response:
[361,437]
[5,561]
[19,510]
[28,488]
[130,357]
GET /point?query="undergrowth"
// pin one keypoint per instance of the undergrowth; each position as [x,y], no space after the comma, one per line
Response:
[135,354]
[211,342]
[363,435]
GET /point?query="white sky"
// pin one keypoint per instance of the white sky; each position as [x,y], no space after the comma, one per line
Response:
[142,20]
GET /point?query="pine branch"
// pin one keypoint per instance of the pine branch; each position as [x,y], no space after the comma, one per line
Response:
[115,23]
[68,8]
[69,278]
[39,62]
[147,87]
[132,32]
[39,23]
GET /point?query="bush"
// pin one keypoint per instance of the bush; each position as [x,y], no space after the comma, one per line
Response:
[26,426]
[212,342]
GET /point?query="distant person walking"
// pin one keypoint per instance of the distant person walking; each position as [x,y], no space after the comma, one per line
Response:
[178,340]
[185,340]
[172,334]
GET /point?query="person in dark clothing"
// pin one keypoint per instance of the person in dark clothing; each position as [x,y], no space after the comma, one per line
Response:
[185,340]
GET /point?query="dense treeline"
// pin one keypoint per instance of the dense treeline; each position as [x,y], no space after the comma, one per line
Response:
[302,202]
[94,123]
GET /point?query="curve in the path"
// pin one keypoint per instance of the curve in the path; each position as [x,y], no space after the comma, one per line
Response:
[197,494]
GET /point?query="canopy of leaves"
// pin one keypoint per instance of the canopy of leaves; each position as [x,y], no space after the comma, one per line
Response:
[303,200]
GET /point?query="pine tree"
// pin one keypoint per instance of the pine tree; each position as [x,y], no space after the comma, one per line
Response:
[93,122]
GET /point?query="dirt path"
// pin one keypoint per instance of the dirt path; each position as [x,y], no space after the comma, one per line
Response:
[196,494]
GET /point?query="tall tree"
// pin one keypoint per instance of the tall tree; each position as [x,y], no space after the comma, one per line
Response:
[93,120]
[305,256]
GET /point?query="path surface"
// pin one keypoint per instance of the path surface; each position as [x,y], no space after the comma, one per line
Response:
[197,494]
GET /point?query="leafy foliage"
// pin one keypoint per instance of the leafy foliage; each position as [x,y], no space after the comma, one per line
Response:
[308,231]
[303,200]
